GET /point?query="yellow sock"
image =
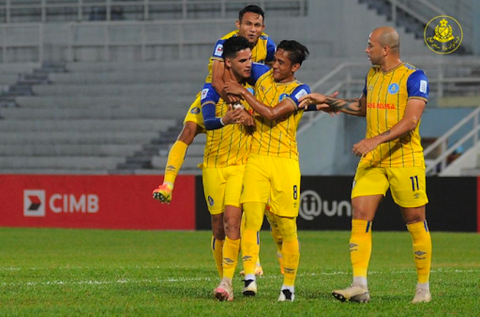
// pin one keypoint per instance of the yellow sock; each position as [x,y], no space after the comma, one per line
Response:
[287,226]
[250,249]
[291,259]
[275,232]
[175,160]
[230,257]
[360,246]
[422,249]
[217,250]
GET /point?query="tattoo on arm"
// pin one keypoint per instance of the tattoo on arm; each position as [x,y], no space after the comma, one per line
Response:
[346,105]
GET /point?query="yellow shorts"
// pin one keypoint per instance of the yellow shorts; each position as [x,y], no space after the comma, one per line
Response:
[407,184]
[194,113]
[222,186]
[275,178]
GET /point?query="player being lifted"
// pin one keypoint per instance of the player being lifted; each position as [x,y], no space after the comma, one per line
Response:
[250,25]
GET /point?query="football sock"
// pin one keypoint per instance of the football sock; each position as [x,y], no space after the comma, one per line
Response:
[290,248]
[217,250]
[175,160]
[422,250]
[360,249]
[252,218]
[230,257]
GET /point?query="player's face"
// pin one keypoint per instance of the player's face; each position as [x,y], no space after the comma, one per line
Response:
[251,27]
[374,50]
[283,69]
[242,64]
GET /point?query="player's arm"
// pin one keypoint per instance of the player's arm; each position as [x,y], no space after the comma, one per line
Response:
[209,100]
[271,113]
[413,113]
[354,106]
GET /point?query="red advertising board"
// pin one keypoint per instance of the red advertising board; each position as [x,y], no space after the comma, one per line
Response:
[107,201]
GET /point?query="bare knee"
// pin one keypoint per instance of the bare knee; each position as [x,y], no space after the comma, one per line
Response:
[217,227]
[365,207]
[413,215]
[232,220]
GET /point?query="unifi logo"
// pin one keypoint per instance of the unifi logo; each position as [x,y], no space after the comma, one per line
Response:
[312,205]
[34,203]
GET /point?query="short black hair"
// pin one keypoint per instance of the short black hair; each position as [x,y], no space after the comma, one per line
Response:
[297,52]
[234,45]
[253,9]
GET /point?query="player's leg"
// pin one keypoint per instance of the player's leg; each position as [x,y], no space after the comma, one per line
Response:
[254,196]
[284,205]
[408,187]
[276,235]
[218,240]
[291,255]
[258,264]
[370,185]
[192,126]
[231,222]
[214,185]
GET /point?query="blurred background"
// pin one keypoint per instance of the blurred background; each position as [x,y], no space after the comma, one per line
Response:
[102,86]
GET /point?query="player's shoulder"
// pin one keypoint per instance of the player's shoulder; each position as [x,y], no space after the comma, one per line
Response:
[229,35]
[264,36]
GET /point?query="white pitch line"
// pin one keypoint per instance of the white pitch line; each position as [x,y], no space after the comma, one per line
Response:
[193,279]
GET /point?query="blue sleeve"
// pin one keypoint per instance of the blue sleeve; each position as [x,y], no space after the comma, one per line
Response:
[364,91]
[417,85]
[218,50]
[271,48]
[258,70]
[299,92]
[209,101]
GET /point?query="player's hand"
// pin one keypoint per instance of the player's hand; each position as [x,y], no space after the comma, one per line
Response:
[234,88]
[312,98]
[365,146]
[246,119]
[232,116]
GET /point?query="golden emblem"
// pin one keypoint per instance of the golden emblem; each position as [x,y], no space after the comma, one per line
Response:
[446,37]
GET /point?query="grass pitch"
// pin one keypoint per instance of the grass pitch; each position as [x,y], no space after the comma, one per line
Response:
[58,272]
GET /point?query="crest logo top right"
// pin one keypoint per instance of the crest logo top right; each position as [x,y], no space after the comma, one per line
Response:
[443,34]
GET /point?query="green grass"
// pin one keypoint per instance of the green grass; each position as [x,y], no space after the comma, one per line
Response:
[56,272]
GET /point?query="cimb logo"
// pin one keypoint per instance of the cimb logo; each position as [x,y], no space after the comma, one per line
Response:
[34,203]
[312,205]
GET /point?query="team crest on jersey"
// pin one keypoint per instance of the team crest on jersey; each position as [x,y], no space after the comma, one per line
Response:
[195,110]
[393,88]
[210,201]
[218,50]
[282,96]
[204,93]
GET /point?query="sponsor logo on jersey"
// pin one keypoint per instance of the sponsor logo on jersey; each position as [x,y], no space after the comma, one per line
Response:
[423,86]
[218,50]
[300,94]
[379,105]
[204,93]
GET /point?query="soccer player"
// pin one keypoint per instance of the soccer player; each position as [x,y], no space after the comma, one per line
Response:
[272,168]
[226,152]
[393,100]
[250,24]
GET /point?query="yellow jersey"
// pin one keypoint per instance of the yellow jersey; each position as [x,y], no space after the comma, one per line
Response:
[262,52]
[386,97]
[276,138]
[225,145]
